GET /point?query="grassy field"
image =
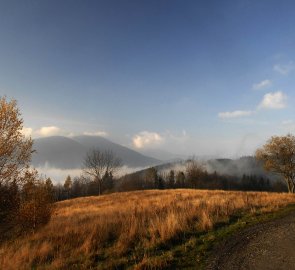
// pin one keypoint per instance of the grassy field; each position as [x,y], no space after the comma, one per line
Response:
[141,230]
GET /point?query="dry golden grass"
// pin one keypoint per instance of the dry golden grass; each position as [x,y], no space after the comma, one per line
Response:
[121,228]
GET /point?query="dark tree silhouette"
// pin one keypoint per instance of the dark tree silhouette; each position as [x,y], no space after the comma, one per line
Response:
[100,165]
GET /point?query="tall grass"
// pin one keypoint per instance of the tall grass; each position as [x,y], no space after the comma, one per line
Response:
[122,228]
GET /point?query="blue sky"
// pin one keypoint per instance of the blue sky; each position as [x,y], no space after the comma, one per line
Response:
[189,77]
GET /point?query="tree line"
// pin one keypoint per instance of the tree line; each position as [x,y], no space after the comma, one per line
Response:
[194,176]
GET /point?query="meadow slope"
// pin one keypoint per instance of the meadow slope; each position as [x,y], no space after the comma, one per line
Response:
[132,229]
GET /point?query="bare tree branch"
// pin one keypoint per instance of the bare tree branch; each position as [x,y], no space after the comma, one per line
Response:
[99,164]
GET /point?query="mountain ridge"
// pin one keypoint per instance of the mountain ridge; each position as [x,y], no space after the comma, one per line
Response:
[69,153]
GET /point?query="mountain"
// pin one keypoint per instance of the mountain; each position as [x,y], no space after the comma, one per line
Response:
[129,157]
[58,152]
[237,167]
[69,153]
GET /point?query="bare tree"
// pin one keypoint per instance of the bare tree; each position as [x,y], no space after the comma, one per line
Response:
[278,156]
[194,172]
[98,164]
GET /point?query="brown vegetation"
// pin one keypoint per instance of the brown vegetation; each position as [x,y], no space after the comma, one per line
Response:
[277,156]
[124,228]
[15,149]
[25,200]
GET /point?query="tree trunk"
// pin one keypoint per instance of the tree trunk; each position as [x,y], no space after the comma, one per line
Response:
[290,185]
[99,188]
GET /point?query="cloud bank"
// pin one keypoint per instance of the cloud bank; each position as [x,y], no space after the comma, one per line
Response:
[58,175]
[234,114]
[276,100]
[48,131]
[151,140]
[96,133]
[146,139]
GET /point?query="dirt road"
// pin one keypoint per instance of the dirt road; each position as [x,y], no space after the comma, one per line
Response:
[268,246]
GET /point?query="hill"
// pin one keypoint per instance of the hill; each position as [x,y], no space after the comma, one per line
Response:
[59,152]
[237,167]
[141,230]
[227,167]
[68,153]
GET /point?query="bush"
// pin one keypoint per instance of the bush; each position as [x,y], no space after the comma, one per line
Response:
[35,203]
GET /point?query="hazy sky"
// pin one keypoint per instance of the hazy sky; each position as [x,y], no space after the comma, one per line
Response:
[189,77]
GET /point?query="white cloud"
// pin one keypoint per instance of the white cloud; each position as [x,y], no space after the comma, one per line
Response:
[162,141]
[284,69]
[48,131]
[147,139]
[96,133]
[27,131]
[234,114]
[54,130]
[262,84]
[276,100]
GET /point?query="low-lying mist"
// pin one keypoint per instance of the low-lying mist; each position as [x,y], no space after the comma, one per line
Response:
[233,167]
[58,175]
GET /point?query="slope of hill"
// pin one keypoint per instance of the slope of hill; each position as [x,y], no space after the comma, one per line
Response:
[68,153]
[141,230]
[230,167]
[237,167]
[129,157]
[58,151]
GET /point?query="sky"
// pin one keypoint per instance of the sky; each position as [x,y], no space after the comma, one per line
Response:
[188,77]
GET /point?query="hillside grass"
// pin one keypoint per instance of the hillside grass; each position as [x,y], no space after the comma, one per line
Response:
[138,230]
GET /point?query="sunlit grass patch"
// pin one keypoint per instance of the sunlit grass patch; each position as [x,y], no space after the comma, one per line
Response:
[130,229]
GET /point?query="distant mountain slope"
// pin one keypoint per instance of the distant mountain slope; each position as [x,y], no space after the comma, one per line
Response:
[58,152]
[68,153]
[129,157]
[244,165]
